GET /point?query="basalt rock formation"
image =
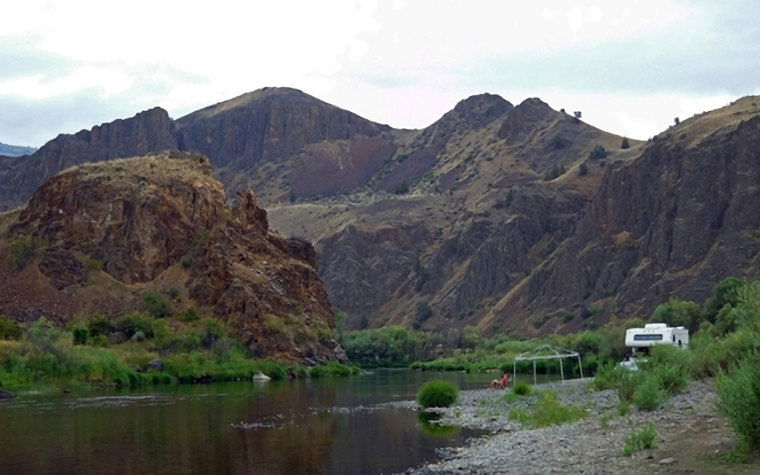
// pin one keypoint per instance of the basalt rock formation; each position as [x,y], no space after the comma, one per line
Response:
[496,215]
[673,222]
[104,234]
[146,132]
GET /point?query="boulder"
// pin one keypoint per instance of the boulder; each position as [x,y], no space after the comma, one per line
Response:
[259,376]
[5,395]
[156,365]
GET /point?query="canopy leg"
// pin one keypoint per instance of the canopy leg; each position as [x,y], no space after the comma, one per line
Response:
[534,373]
[561,371]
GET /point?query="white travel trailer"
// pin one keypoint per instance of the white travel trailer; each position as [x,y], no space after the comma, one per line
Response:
[656,334]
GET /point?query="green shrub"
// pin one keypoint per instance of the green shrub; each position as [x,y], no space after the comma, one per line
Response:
[638,440]
[623,380]
[139,322]
[739,400]
[9,329]
[437,394]
[22,251]
[648,396]
[522,388]
[548,411]
[158,306]
[80,335]
[189,315]
[625,143]
[720,354]
[673,367]
[99,325]
[624,408]
[598,152]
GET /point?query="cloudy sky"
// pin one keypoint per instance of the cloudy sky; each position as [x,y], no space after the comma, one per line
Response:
[629,66]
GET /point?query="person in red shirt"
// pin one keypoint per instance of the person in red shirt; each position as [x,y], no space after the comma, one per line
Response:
[500,384]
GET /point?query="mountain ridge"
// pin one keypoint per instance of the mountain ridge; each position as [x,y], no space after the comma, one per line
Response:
[477,219]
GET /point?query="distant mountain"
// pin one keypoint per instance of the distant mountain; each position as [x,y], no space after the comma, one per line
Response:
[15,150]
[502,216]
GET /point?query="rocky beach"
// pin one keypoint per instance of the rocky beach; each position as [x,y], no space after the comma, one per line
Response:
[691,436]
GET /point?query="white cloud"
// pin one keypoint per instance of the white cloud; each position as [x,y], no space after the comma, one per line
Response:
[403,62]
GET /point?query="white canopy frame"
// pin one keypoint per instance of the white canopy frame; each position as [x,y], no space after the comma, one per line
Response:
[546,352]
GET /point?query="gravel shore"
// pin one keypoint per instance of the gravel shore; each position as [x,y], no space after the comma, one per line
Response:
[691,435]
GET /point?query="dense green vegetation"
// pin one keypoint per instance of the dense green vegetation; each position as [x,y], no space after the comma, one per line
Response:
[132,351]
[389,346]
[437,394]
[739,393]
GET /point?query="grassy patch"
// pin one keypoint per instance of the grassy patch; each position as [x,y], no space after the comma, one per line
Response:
[549,411]
[333,369]
[638,440]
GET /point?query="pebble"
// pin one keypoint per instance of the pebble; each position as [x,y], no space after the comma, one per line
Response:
[580,447]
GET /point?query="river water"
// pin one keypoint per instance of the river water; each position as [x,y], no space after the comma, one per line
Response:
[332,425]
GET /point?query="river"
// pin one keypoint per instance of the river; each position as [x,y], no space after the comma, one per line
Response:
[333,425]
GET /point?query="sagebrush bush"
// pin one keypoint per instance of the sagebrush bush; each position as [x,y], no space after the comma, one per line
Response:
[739,400]
[522,388]
[638,440]
[437,394]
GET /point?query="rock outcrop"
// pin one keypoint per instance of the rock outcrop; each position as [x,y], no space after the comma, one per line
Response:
[105,233]
[495,215]
[146,132]
[671,223]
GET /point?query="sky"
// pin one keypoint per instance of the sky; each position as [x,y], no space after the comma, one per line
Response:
[630,66]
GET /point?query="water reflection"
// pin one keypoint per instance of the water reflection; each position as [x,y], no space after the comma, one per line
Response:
[321,426]
[428,423]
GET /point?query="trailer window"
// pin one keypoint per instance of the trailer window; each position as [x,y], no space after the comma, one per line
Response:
[653,337]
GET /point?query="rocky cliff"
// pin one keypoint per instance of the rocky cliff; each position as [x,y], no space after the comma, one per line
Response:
[100,235]
[148,131]
[672,222]
[287,145]
[472,212]
[494,215]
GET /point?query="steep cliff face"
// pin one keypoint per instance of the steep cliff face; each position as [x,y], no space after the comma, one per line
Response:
[102,234]
[287,144]
[670,223]
[148,131]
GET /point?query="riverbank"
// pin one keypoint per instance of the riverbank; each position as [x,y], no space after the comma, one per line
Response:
[692,437]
